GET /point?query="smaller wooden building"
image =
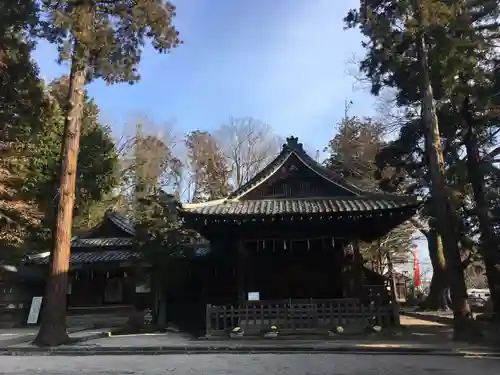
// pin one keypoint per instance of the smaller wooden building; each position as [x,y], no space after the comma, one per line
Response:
[107,274]
[18,285]
[103,263]
[402,286]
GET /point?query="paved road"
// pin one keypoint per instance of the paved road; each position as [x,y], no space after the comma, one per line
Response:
[269,364]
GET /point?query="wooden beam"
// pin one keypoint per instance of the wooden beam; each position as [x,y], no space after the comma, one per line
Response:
[241,271]
[358,268]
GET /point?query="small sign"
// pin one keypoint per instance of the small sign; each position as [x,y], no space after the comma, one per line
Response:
[36,305]
[142,288]
[253,296]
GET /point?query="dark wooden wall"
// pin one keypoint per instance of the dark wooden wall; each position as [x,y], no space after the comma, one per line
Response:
[295,270]
[296,180]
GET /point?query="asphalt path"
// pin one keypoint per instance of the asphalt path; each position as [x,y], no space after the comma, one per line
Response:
[267,364]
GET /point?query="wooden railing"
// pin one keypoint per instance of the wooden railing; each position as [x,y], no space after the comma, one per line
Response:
[308,315]
[12,314]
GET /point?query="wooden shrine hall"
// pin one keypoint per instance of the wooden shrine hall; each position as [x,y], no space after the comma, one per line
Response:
[285,249]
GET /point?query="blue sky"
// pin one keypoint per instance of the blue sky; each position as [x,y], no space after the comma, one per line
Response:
[284,62]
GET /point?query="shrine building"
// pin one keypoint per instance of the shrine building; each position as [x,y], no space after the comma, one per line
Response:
[285,249]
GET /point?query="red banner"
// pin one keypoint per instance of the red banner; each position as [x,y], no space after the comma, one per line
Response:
[417,281]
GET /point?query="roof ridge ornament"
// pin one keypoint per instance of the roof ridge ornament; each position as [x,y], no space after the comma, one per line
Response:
[293,143]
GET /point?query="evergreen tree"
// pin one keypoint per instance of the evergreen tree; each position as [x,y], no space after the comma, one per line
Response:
[101,39]
[159,233]
[352,154]
[413,47]
[209,173]
[161,240]
[95,180]
[463,72]
[21,116]
[353,150]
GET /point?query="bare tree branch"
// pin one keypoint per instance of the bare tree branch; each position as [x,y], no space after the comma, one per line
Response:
[249,145]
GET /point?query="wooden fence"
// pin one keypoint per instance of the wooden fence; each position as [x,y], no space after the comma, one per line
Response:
[304,316]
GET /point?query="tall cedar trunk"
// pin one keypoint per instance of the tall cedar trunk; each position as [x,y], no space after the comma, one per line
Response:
[392,278]
[438,291]
[489,243]
[443,210]
[53,324]
[135,319]
[57,184]
[157,297]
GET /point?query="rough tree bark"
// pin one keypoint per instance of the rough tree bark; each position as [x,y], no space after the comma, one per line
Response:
[135,319]
[443,211]
[53,321]
[489,245]
[439,288]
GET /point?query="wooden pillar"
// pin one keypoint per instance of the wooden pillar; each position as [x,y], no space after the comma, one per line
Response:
[392,280]
[338,259]
[241,271]
[352,270]
[249,267]
[394,299]
[359,272]
[347,261]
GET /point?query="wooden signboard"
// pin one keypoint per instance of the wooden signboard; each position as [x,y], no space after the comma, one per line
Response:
[254,296]
[36,305]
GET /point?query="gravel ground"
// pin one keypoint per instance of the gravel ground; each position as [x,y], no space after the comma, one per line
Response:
[302,364]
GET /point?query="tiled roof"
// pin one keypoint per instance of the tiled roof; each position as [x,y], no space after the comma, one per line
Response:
[122,222]
[355,200]
[117,219]
[293,147]
[101,242]
[89,257]
[299,206]
[95,257]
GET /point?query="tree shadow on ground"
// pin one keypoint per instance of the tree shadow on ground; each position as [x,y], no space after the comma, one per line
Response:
[431,317]
[441,327]
[424,333]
